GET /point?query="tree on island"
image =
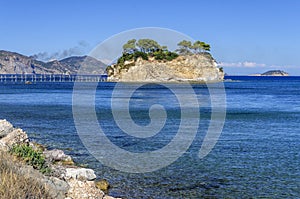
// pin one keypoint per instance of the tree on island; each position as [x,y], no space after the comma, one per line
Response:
[184,47]
[130,46]
[149,48]
[146,48]
[205,46]
[187,48]
[148,45]
[200,46]
[164,48]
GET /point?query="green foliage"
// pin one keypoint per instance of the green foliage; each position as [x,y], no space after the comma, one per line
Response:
[221,69]
[205,46]
[164,48]
[148,45]
[186,47]
[31,157]
[138,54]
[146,48]
[132,56]
[185,44]
[197,46]
[165,55]
[130,46]
[109,70]
[159,55]
[171,55]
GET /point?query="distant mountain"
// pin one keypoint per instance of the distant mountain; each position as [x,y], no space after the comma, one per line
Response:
[87,64]
[15,63]
[272,73]
[275,73]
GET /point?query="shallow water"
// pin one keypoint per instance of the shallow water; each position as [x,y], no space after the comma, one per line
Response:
[257,155]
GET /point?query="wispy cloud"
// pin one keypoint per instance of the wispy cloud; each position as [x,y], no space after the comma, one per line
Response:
[250,64]
[245,64]
[286,66]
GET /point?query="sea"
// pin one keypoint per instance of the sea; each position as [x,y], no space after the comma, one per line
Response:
[257,154]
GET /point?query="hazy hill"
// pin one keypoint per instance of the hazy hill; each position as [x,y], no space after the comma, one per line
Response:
[15,63]
[275,73]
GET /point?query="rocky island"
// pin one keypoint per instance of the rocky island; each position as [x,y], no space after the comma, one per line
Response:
[272,73]
[147,61]
[275,73]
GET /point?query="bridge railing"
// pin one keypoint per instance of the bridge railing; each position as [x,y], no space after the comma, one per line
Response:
[52,78]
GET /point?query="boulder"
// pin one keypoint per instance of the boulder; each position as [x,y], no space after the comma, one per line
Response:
[84,190]
[109,197]
[5,128]
[103,185]
[58,171]
[15,137]
[56,155]
[57,188]
[37,146]
[80,174]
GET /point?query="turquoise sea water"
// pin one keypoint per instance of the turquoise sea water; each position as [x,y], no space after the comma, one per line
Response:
[257,155]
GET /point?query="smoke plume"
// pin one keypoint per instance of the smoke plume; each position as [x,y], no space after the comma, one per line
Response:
[76,50]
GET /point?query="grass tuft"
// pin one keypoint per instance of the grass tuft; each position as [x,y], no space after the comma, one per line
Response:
[14,185]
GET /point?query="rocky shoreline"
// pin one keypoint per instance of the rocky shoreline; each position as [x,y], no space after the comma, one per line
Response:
[66,180]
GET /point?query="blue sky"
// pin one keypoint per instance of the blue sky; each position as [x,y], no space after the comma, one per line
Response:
[246,36]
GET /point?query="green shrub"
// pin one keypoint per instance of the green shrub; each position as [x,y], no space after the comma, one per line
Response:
[124,57]
[171,55]
[165,55]
[138,54]
[31,157]
[131,56]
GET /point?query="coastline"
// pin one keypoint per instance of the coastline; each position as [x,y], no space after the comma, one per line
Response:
[62,178]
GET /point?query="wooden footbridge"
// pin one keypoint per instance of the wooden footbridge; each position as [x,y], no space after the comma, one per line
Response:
[32,78]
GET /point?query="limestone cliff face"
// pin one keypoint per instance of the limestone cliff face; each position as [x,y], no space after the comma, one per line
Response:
[197,67]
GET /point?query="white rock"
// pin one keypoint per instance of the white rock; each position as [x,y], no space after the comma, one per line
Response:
[109,197]
[17,136]
[80,173]
[84,190]
[56,155]
[5,128]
